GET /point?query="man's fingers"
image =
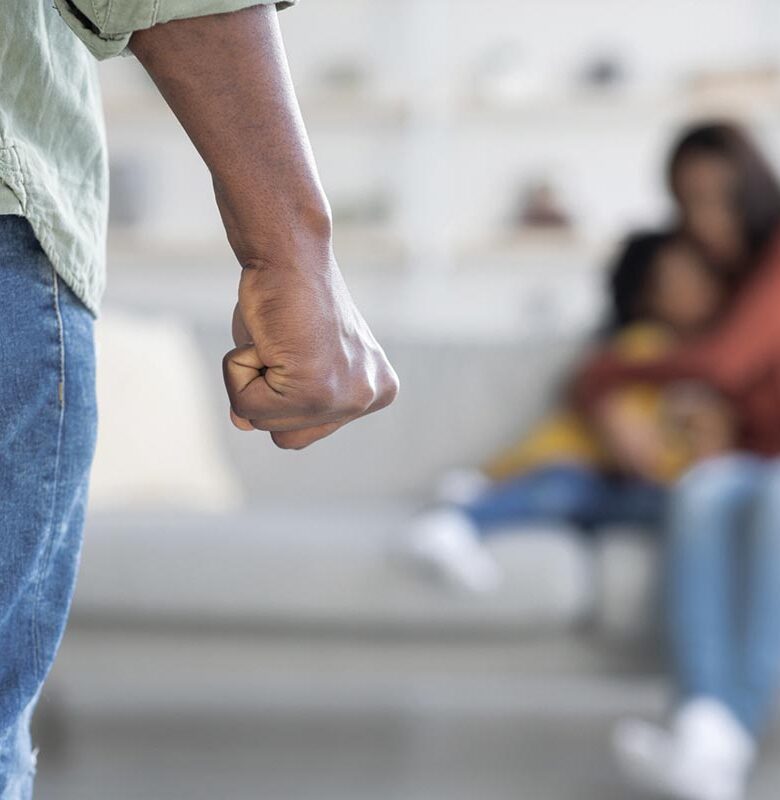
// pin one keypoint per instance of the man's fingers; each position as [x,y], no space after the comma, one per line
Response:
[250,395]
[254,400]
[241,423]
[241,335]
[296,440]
[298,413]
[304,436]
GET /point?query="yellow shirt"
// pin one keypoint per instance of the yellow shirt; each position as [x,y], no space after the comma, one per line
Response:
[565,437]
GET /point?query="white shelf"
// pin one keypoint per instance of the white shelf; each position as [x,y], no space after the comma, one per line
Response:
[516,249]
[417,125]
[351,109]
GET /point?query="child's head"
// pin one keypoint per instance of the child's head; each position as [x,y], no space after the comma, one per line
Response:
[664,278]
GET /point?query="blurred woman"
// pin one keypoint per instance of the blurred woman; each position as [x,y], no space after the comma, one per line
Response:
[722,574]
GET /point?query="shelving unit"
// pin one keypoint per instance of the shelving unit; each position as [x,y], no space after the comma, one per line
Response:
[460,159]
[415,128]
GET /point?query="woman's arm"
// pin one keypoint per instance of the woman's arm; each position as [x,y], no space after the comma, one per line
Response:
[744,344]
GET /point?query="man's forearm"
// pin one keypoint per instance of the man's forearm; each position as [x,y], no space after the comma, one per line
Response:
[226,78]
[305,361]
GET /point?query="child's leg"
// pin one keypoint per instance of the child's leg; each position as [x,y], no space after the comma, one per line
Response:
[448,538]
[567,493]
[629,501]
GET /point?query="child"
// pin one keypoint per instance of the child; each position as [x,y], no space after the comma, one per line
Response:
[663,290]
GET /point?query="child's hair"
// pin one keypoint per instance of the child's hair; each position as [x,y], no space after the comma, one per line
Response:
[630,275]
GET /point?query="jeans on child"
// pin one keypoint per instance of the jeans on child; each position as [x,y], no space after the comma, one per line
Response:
[47,436]
[723,584]
[568,493]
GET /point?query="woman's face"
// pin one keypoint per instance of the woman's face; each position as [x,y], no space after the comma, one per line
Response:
[706,189]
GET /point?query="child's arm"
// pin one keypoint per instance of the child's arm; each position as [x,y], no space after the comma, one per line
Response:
[700,418]
[744,344]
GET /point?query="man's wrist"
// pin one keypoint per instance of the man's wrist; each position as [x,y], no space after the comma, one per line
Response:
[285,229]
[226,78]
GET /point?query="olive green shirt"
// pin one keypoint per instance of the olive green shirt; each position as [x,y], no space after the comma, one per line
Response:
[53,164]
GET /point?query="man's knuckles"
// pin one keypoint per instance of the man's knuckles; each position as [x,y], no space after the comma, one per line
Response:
[322,394]
[240,366]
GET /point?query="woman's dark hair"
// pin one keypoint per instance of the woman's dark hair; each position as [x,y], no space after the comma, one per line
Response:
[758,191]
[630,275]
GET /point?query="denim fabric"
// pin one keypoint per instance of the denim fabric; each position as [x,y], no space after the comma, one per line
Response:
[568,493]
[47,436]
[723,584]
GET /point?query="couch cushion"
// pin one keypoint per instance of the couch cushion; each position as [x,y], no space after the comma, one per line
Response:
[626,573]
[316,566]
[159,440]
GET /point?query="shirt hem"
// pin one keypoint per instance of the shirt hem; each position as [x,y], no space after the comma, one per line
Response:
[13,179]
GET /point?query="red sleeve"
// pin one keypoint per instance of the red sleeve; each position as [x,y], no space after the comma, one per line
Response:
[739,349]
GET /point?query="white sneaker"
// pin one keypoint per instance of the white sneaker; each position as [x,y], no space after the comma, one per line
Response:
[706,754]
[461,485]
[448,543]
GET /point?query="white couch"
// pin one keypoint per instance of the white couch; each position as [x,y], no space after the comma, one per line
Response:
[193,520]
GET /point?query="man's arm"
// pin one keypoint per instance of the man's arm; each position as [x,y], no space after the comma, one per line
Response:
[305,362]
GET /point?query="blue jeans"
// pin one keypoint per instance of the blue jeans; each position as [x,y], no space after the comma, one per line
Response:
[568,493]
[47,436]
[723,584]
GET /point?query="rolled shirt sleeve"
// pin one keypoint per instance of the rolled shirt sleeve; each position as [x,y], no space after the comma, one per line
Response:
[105,26]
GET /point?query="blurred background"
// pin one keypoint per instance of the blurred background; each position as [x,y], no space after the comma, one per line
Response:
[241,628]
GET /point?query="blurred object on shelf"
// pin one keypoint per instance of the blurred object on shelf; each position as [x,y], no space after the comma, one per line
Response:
[604,72]
[563,250]
[505,78]
[732,90]
[347,76]
[539,206]
[363,232]
[372,207]
[375,246]
[347,89]
[352,111]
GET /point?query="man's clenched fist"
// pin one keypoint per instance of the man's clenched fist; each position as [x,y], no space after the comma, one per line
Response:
[305,361]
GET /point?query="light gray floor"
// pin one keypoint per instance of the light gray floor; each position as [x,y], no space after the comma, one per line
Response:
[140,716]
[343,757]
[327,757]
